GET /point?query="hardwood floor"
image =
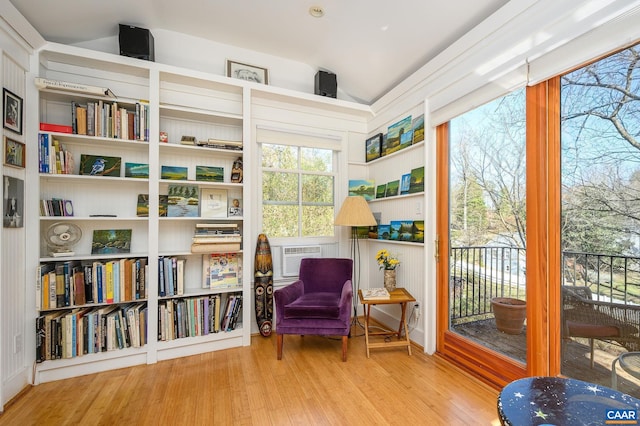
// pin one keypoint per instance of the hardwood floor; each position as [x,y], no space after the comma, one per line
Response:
[248,386]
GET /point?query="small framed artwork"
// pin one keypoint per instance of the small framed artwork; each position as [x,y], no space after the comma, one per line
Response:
[235,207]
[99,165]
[247,72]
[13,202]
[214,203]
[373,147]
[174,172]
[210,173]
[12,107]
[13,153]
[111,241]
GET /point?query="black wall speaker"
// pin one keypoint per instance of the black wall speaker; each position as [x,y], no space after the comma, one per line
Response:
[136,42]
[326,84]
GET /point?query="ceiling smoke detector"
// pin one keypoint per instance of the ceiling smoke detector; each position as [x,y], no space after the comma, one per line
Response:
[316,11]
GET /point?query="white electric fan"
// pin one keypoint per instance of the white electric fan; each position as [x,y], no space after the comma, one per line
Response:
[61,237]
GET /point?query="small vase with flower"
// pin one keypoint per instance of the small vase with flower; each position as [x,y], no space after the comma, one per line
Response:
[388,263]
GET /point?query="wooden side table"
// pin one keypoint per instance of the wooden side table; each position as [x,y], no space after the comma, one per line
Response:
[398,296]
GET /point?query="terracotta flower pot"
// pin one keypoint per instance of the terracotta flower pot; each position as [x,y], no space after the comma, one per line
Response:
[510,314]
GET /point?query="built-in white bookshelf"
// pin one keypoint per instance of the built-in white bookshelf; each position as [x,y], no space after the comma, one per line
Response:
[178,102]
[162,103]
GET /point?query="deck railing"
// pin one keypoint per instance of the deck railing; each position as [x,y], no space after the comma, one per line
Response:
[480,273]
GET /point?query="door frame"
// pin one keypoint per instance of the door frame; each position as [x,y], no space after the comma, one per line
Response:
[543,250]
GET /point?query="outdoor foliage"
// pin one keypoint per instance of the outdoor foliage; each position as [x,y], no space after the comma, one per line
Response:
[297,191]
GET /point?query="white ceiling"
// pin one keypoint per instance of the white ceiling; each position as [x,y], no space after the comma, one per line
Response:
[371,45]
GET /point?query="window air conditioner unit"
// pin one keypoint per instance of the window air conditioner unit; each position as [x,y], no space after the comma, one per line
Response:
[292,255]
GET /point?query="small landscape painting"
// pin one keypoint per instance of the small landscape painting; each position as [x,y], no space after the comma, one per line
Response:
[111,241]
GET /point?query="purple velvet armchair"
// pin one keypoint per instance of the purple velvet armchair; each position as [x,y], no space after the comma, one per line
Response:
[319,303]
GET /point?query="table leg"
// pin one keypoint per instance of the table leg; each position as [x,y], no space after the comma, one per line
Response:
[403,323]
[367,312]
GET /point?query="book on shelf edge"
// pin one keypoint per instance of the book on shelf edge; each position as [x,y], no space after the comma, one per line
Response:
[45,83]
[51,127]
[375,294]
[214,247]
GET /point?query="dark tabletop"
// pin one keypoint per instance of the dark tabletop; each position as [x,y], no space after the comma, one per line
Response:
[565,402]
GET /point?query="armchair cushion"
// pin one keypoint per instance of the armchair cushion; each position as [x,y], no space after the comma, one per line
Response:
[314,305]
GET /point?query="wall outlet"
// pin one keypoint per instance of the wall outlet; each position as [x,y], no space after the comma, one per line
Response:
[17,343]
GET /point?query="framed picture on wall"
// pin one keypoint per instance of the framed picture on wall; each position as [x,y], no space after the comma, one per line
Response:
[13,153]
[247,72]
[13,202]
[12,108]
[373,147]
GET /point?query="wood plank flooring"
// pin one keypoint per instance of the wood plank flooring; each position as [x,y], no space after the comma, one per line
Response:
[248,386]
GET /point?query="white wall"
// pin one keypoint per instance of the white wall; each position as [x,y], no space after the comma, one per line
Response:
[14,325]
[203,55]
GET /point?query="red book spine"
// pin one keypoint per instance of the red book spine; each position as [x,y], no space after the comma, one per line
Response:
[50,127]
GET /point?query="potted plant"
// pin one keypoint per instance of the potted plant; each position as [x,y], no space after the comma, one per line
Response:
[510,314]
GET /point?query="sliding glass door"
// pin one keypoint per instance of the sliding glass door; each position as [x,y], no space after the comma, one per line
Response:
[600,291]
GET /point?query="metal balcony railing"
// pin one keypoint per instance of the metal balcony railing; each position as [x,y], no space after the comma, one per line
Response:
[480,273]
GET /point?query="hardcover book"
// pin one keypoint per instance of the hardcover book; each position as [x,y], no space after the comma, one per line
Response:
[183,201]
[99,165]
[136,170]
[375,294]
[210,173]
[174,173]
[223,270]
[111,241]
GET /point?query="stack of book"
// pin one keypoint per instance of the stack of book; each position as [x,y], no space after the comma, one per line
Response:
[216,237]
[221,144]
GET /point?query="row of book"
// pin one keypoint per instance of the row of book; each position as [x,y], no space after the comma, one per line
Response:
[170,276]
[56,207]
[198,316]
[221,270]
[216,237]
[110,120]
[75,283]
[53,158]
[76,332]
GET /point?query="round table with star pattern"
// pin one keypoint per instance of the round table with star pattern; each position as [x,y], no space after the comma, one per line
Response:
[560,401]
